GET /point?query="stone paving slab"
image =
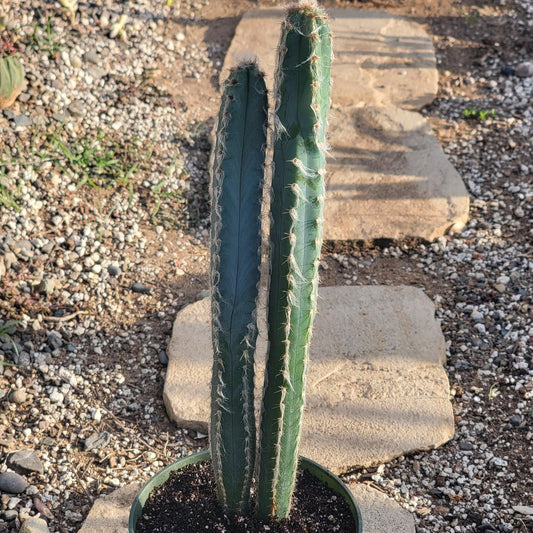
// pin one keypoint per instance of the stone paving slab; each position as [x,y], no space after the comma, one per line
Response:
[380,514]
[388,177]
[376,385]
[379,58]
[111,513]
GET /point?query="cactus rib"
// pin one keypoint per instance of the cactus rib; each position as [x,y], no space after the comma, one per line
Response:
[235,260]
[302,101]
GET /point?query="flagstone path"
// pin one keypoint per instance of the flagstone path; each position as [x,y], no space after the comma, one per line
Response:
[387,174]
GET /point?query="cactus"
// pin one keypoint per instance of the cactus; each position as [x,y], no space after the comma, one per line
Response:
[302,100]
[235,261]
[11,80]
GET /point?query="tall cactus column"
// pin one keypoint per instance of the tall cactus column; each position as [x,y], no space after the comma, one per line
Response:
[235,259]
[302,101]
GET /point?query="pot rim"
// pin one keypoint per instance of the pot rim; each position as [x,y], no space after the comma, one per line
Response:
[316,469]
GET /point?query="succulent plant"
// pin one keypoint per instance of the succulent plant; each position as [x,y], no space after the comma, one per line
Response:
[11,80]
[239,156]
[297,198]
[298,191]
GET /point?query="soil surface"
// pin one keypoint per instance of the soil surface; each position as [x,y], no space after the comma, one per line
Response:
[190,493]
[104,237]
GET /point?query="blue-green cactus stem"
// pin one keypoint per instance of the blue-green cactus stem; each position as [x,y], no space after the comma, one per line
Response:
[237,176]
[302,102]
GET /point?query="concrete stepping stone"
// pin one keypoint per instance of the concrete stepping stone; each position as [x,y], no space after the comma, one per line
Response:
[388,177]
[387,174]
[380,514]
[380,59]
[111,513]
[376,385]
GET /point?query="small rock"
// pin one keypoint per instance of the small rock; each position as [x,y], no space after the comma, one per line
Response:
[55,340]
[22,121]
[46,286]
[12,483]
[97,440]
[516,420]
[477,316]
[10,514]
[203,294]
[18,396]
[507,71]
[525,69]
[92,57]
[61,116]
[519,212]
[57,397]
[523,509]
[77,108]
[503,280]
[42,508]
[466,446]
[113,270]
[9,259]
[13,502]
[34,525]
[140,288]
[163,357]
[25,462]
[75,61]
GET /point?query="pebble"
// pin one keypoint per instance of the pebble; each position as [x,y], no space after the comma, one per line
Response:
[25,462]
[12,483]
[92,57]
[19,396]
[113,270]
[163,357]
[525,69]
[140,288]
[97,440]
[34,525]
[22,121]
[55,340]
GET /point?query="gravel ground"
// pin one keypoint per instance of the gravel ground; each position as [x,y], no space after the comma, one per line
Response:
[103,232]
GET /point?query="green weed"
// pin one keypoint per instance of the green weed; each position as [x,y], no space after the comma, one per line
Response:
[6,330]
[481,114]
[45,39]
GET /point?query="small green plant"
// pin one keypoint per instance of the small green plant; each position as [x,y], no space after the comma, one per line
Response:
[6,331]
[70,6]
[11,74]
[478,114]
[118,28]
[471,17]
[302,101]
[97,162]
[7,194]
[45,39]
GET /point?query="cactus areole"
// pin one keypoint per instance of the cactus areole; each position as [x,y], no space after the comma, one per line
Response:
[297,197]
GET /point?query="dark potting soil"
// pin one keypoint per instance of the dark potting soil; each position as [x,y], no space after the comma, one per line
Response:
[187,503]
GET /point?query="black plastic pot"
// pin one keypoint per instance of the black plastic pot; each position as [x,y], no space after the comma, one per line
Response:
[329,479]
